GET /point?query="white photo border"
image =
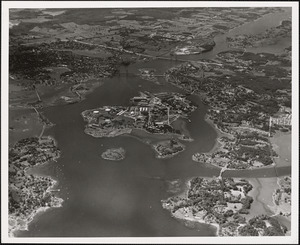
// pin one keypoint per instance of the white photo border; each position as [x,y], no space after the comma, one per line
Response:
[293,239]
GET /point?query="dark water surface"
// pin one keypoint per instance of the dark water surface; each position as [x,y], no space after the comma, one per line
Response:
[105,198]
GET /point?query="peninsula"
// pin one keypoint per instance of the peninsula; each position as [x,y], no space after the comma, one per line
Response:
[223,203]
[30,194]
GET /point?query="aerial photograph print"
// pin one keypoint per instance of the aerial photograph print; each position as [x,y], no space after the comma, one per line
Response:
[138,122]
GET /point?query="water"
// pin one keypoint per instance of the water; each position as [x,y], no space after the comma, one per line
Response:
[254,27]
[105,198]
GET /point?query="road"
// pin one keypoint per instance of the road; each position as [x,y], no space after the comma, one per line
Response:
[143,55]
[138,54]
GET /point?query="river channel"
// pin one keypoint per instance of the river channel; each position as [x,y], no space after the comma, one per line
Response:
[118,199]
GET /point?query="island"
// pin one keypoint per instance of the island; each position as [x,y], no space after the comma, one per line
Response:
[168,148]
[114,154]
[152,113]
[148,74]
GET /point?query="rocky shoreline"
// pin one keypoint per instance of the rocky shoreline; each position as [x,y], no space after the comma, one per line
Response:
[21,223]
[168,148]
[114,154]
[231,211]
[30,195]
[221,146]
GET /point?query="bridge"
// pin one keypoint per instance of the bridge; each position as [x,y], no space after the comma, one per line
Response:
[144,55]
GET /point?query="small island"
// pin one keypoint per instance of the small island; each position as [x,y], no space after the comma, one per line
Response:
[114,154]
[149,75]
[168,148]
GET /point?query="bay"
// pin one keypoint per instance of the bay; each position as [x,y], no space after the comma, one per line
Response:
[104,198]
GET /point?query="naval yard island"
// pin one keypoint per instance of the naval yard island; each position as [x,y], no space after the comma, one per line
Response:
[150,122]
[151,112]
